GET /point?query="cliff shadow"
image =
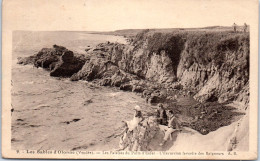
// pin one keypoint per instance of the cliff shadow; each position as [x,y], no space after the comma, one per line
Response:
[172,44]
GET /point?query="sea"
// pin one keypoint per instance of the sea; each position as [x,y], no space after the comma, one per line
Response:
[57,114]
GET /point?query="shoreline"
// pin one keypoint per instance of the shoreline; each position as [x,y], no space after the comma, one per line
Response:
[148,69]
[179,103]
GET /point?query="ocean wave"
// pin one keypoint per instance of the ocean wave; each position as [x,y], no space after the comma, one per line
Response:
[28,82]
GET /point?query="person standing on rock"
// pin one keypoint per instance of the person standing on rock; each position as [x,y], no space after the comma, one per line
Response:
[138,117]
[161,115]
[173,125]
[245,27]
[235,27]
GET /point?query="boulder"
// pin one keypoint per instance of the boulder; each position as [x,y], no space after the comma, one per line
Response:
[154,100]
[137,89]
[67,65]
[126,87]
[59,60]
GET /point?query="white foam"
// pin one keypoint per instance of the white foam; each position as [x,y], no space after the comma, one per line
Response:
[28,82]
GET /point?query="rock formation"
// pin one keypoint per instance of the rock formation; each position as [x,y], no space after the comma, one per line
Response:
[140,138]
[60,61]
[208,66]
[214,66]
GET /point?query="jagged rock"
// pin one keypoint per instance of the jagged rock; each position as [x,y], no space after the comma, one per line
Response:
[67,65]
[177,86]
[244,96]
[216,71]
[146,93]
[126,87]
[137,89]
[161,68]
[97,67]
[154,99]
[139,139]
[105,82]
[59,60]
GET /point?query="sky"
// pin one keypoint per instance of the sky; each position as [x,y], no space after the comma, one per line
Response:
[109,15]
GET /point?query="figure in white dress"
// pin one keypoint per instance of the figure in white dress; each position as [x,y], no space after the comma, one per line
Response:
[138,117]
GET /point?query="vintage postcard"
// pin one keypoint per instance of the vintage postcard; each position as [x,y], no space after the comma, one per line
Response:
[130,79]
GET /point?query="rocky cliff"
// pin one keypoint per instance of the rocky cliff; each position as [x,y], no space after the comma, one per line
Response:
[208,66]
[213,66]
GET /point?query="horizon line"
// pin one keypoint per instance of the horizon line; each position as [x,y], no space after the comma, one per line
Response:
[124,29]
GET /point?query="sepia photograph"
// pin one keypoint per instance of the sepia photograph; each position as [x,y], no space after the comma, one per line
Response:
[125,79]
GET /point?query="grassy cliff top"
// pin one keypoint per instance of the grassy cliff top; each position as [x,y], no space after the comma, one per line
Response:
[134,32]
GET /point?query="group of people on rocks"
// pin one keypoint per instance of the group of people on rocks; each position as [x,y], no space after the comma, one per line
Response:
[135,132]
[168,122]
[235,27]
